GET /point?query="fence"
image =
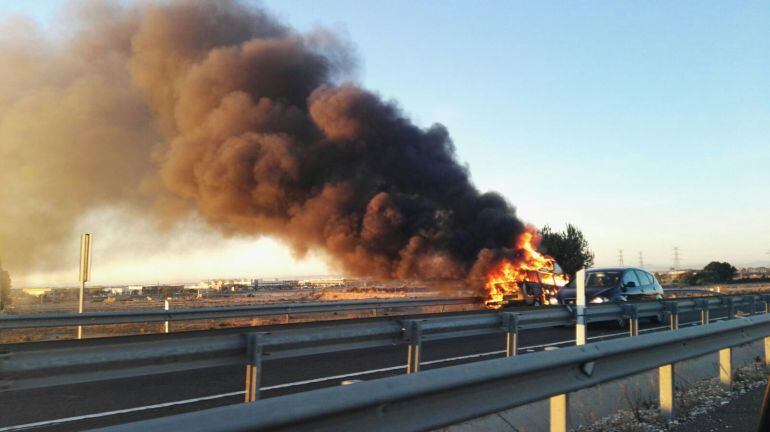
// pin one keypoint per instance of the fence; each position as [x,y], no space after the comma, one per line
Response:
[446,396]
[165,315]
[45,364]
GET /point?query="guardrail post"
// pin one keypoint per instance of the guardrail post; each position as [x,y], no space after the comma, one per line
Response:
[673,310]
[632,312]
[767,352]
[703,305]
[730,303]
[766,299]
[558,419]
[666,391]
[414,332]
[253,366]
[166,306]
[511,325]
[752,304]
[726,367]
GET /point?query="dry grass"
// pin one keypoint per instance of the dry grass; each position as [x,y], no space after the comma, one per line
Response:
[41,334]
[698,399]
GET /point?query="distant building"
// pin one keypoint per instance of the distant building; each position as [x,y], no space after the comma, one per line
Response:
[233,284]
[124,290]
[276,284]
[754,273]
[323,282]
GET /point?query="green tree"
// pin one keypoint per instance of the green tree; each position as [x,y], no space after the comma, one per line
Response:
[569,248]
[718,272]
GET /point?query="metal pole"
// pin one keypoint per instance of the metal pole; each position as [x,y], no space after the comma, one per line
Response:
[559,413]
[704,311]
[673,309]
[632,313]
[666,391]
[253,366]
[511,323]
[415,346]
[166,306]
[580,319]
[767,352]
[559,402]
[726,367]
[85,273]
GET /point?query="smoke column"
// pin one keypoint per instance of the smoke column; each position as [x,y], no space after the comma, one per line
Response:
[217,108]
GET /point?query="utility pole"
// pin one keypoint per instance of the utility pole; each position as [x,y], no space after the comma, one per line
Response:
[676,257]
[641,259]
[85,272]
[620,257]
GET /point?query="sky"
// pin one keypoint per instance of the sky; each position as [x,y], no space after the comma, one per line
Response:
[646,124]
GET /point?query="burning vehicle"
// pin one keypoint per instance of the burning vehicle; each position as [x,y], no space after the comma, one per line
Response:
[528,277]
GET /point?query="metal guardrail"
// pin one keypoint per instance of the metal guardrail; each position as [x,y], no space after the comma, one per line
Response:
[445,396]
[45,364]
[125,317]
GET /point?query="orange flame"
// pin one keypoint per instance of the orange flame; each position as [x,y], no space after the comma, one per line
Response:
[506,280]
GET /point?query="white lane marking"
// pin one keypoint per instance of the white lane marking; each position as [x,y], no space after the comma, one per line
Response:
[109,413]
[311,381]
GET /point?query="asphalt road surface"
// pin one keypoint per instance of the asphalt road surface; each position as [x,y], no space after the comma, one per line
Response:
[83,406]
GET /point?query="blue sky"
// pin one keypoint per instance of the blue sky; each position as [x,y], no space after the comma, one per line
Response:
[644,123]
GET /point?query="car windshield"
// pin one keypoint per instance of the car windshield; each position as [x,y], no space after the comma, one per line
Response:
[602,279]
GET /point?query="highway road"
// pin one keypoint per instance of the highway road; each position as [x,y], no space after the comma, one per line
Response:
[82,406]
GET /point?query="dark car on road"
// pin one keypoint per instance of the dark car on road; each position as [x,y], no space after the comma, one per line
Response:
[614,285]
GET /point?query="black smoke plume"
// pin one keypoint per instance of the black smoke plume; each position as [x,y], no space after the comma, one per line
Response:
[217,108]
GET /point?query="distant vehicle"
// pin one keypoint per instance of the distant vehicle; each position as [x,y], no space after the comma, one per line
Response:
[605,285]
[535,290]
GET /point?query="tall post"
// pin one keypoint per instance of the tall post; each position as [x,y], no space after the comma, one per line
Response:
[511,325]
[166,306]
[85,273]
[253,366]
[580,306]
[558,403]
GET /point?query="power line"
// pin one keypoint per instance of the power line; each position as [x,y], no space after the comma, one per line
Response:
[620,257]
